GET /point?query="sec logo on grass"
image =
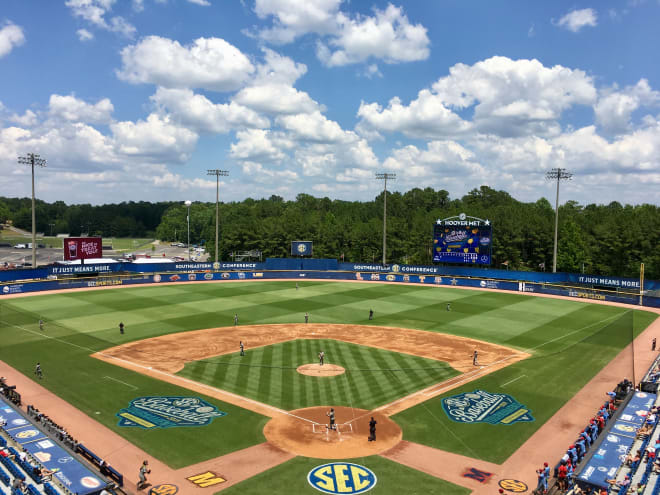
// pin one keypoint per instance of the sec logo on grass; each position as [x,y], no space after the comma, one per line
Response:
[342,477]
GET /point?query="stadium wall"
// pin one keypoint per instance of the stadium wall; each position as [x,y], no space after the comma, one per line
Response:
[193,272]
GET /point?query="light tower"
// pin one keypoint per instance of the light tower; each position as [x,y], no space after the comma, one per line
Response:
[218,173]
[385,177]
[557,174]
[32,160]
[188,203]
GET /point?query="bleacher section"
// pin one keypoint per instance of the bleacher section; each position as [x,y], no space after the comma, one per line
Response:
[30,452]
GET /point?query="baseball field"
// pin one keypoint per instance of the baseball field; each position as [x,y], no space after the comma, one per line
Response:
[180,341]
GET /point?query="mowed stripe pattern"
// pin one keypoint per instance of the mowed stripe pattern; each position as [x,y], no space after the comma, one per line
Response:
[268,374]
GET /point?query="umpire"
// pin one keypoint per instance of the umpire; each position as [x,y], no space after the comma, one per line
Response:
[372,429]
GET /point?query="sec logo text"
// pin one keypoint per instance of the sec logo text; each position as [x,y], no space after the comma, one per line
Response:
[342,477]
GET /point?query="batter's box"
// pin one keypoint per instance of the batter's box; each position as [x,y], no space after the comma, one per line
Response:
[339,428]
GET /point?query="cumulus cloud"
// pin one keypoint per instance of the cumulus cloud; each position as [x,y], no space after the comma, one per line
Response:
[209,63]
[614,108]
[508,98]
[387,35]
[84,35]
[197,112]
[155,138]
[11,36]
[203,3]
[76,110]
[259,145]
[293,18]
[577,19]
[94,12]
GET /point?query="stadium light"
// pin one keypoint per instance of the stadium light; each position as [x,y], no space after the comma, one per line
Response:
[217,174]
[32,160]
[188,203]
[557,174]
[385,177]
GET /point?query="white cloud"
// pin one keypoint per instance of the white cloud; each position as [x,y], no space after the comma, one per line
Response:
[508,98]
[28,119]
[209,63]
[75,110]
[388,35]
[84,35]
[259,145]
[11,36]
[440,159]
[203,3]
[259,173]
[94,11]
[198,112]
[155,138]
[313,127]
[294,18]
[577,19]
[614,108]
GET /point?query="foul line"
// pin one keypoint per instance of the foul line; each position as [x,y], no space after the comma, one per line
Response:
[511,381]
[123,383]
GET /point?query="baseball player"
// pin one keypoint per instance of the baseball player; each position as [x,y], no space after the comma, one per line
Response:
[331,415]
[144,470]
[235,319]
[306,317]
[475,355]
[38,372]
[242,349]
[121,328]
[371,314]
[372,429]
[296,285]
[41,325]
[653,342]
[321,358]
[448,306]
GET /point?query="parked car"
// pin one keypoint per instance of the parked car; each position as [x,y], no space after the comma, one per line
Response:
[20,246]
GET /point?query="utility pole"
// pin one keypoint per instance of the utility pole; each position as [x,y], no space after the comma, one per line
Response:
[385,177]
[557,174]
[218,173]
[32,160]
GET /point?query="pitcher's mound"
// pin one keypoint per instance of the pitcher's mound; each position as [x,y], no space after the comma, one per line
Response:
[303,432]
[318,370]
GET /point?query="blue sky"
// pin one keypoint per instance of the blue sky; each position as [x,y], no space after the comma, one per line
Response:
[135,99]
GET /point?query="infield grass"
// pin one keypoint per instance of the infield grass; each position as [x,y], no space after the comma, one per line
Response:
[392,479]
[570,342]
[373,376]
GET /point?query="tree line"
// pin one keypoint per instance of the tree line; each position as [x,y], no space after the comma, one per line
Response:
[610,239]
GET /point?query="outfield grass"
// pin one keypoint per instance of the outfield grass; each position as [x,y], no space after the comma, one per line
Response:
[570,342]
[392,479]
[373,376]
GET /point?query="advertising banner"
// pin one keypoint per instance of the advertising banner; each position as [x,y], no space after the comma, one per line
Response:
[462,239]
[82,248]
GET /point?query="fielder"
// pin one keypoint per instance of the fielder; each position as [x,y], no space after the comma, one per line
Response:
[235,319]
[475,355]
[306,317]
[242,349]
[321,358]
[41,325]
[38,372]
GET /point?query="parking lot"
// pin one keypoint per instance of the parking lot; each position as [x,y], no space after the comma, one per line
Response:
[20,258]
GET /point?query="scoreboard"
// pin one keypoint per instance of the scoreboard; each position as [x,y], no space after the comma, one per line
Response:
[462,239]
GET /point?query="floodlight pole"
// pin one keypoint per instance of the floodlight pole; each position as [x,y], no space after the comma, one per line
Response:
[557,174]
[217,174]
[32,160]
[188,203]
[385,177]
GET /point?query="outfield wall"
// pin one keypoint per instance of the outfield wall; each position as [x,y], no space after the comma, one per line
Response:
[156,277]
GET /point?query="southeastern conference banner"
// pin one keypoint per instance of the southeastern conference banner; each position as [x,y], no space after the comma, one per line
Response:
[82,248]
[462,239]
[301,248]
